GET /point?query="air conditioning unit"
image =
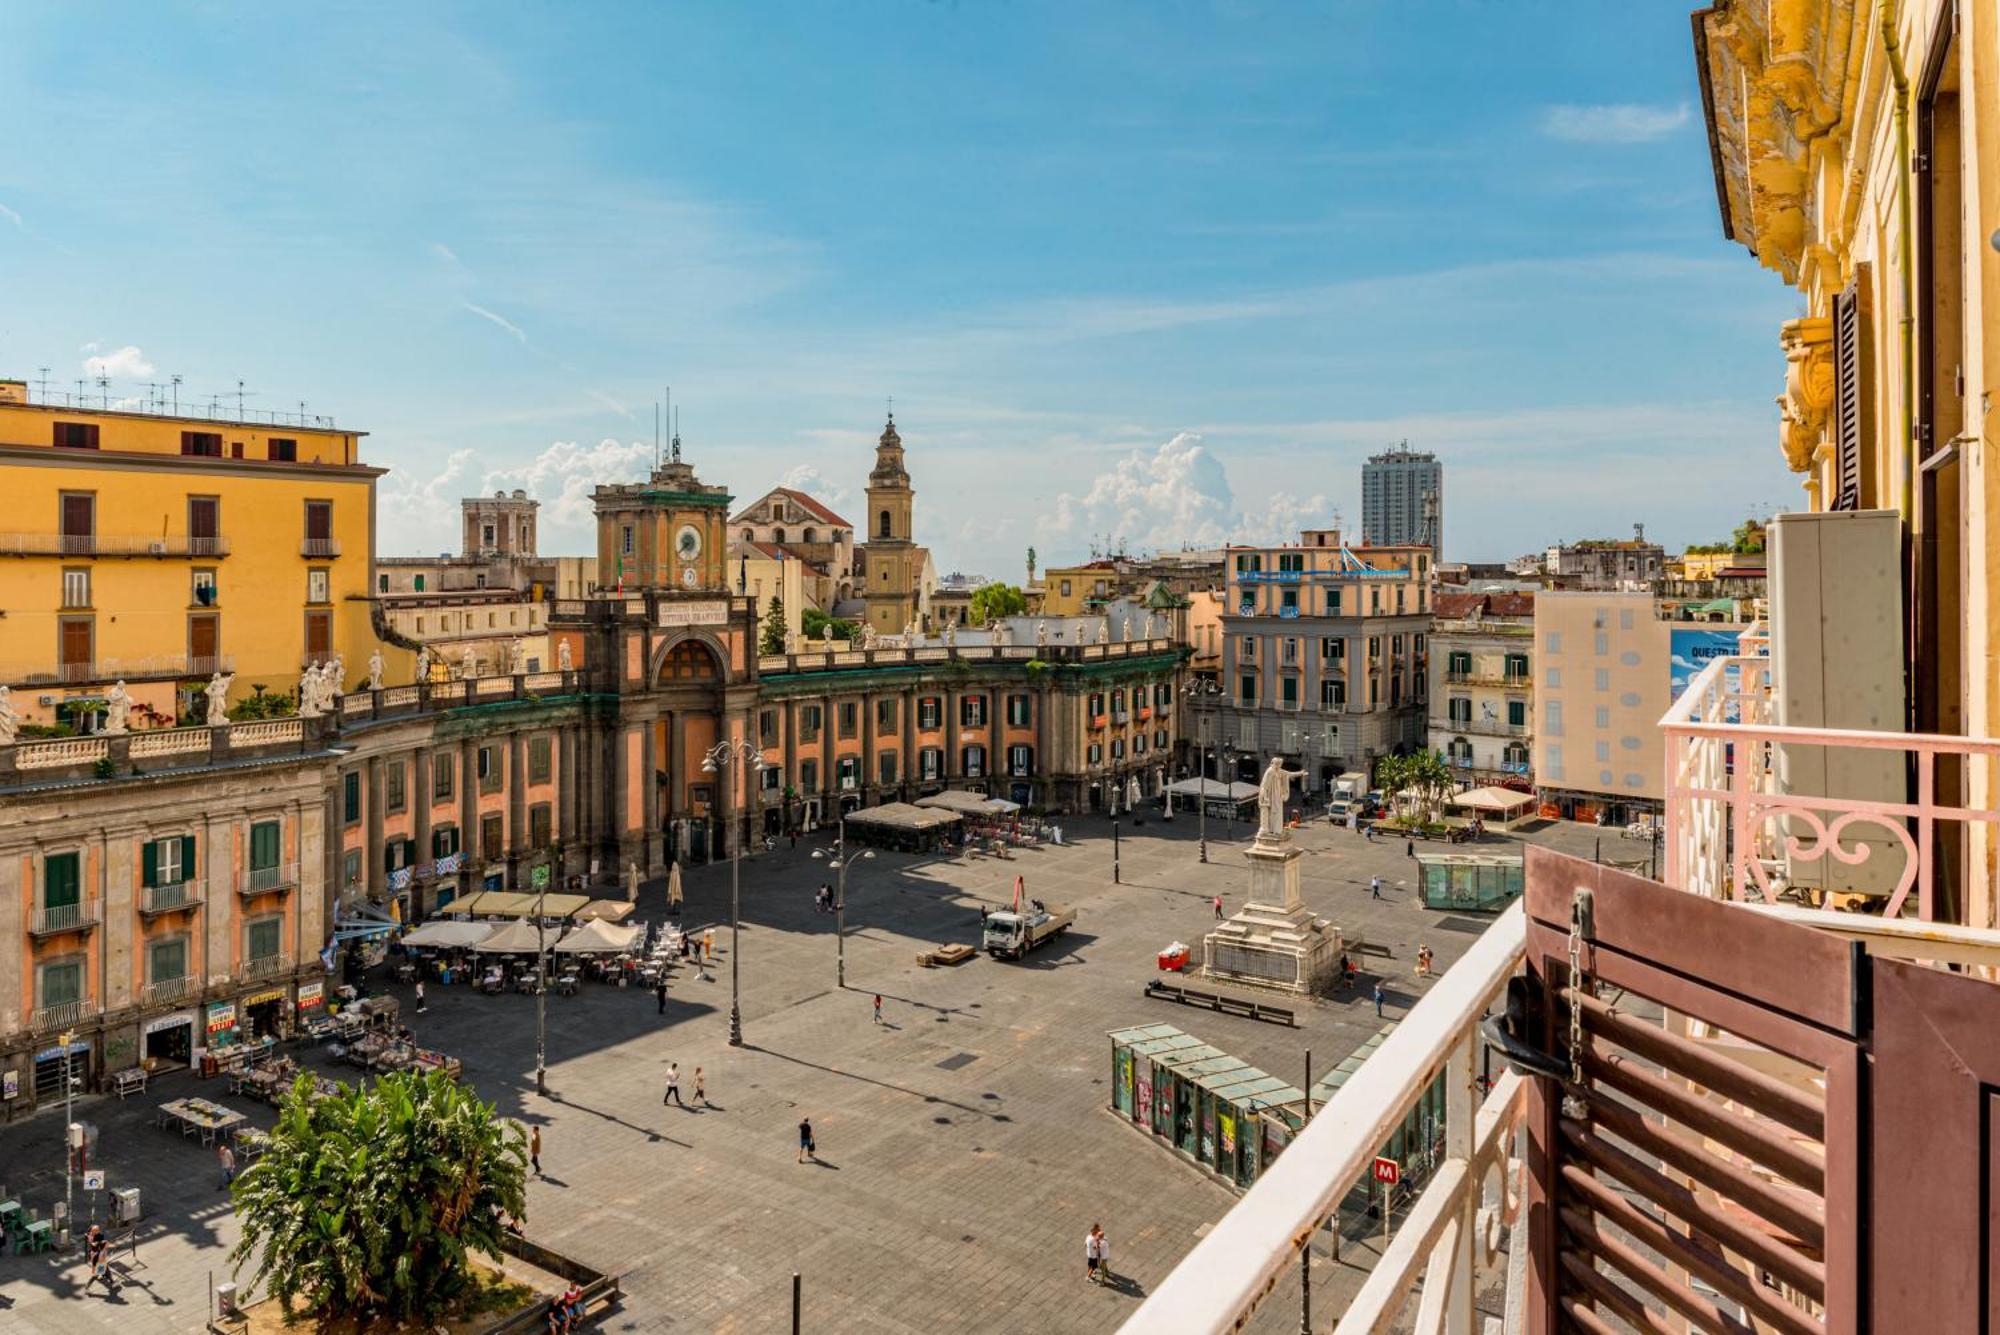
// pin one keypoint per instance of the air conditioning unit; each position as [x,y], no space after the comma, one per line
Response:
[157,548]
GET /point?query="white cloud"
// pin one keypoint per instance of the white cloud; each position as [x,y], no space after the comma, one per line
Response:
[422,512]
[500,320]
[128,363]
[11,217]
[1613,123]
[443,252]
[1178,496]
[806,478]
[611,403]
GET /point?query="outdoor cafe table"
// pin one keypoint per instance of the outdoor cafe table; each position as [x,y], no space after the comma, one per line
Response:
[200,1117]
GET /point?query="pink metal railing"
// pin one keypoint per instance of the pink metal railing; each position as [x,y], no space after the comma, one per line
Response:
[1735,829]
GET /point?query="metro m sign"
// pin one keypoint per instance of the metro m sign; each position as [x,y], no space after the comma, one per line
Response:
[1388,1171]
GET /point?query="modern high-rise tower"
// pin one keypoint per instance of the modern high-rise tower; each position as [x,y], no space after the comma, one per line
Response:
[1402,499]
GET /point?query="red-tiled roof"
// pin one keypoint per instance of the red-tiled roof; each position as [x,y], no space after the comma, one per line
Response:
[1459,606]
[811,505]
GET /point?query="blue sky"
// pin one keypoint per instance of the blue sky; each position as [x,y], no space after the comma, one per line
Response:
[1161,271]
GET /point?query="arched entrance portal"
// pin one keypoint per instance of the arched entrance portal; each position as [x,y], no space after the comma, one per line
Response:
[687,690]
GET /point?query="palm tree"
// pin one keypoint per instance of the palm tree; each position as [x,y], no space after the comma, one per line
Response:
[368,1203]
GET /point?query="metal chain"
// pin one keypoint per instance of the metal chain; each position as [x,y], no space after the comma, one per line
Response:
[1573,1104]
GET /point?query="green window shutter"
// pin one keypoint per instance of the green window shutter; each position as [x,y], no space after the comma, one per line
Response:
[187,857]
[149,865]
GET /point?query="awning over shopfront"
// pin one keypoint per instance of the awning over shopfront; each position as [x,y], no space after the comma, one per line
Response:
[609,910]
[598,937]
[518,904]
[448,934]
[904,817]
[517,938]
[967,804]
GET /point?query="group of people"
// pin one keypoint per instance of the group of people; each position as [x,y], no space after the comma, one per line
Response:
[823,898]
[566,1312]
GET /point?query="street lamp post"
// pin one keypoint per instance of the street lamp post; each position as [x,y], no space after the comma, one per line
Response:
[717,761]
[542,974]
[1203,692]
[71,1139]
[839,859]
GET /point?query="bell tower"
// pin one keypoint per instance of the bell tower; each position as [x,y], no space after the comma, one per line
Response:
[891,562]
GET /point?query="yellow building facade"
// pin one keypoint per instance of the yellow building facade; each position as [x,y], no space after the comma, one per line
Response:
[158,550]
[892,563]
[1857,154]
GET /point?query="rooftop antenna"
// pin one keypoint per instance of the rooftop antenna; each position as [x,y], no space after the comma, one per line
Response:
[177,396]
[676,447]
[656,435]
[44,390]
[103,389]
[239,399]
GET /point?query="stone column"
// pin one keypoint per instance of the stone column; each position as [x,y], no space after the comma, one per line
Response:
[472,869]
[788,719]
[868,768]
[371,855]
[418,794]
[568,824]
[996,734]
[517,806]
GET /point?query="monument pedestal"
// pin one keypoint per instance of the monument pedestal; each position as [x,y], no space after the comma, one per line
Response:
[1274,940]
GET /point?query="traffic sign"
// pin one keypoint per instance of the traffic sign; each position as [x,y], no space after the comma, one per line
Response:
[93,1180]
[1388,1170]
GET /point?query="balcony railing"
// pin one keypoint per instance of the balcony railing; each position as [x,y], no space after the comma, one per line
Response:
[319,547]
[63,918]
[1821,816]
[268,880]
[169,991]
[1484,727]
[1453,1226]
[267,966]
[117,669]
[62,1015]
[169,898]
[1512,681]
[107,544]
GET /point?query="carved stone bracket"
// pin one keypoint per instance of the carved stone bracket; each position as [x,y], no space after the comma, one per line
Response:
[1808,398]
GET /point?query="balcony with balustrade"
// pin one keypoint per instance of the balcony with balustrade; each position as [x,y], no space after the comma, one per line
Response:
[267,966]
[56,919]
[268,880]
[179,897]
[1681,1142]
[54,1018]
[170,991]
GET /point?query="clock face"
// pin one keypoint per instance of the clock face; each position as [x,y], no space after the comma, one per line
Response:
[688,576]
[687,543]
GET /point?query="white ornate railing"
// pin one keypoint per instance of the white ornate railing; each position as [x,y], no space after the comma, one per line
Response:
[396,696]
[67,751]
[59,1016]
[1757,812]
[168,898]
[262,880]
[1454,1225]
[63,918]
[539,682]
[169,990]
[168,742]
[266,733]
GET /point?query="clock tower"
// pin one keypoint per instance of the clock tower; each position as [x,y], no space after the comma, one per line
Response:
[890,558]
[668,532]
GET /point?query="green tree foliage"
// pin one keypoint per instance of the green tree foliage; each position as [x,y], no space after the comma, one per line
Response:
[1748,538]
[813,623]
[772,640]
[277,704]
[992,601]
[368,1202]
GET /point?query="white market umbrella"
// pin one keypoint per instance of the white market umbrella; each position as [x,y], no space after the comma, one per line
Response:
[674,885]
[1132,793]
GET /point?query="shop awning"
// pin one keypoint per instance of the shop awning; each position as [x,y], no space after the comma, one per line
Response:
[967,804]
[517,938]
[448,934]
[598,937]
[1493,799]
[609,910]
[519,904]
[903,816]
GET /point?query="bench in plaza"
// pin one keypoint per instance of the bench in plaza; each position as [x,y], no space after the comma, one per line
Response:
[1222,1002]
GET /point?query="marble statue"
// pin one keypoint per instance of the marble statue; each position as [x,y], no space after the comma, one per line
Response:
[10,722]
[217,692]
[1041,634]
[517,657]
[791,642]
[424,665]
[867,637]
[1272,790]
[1104,631]
[912,637]
[562,656]
[308,703]
[950,634]
[1003,632]
[1124,630]
[632,882]
[375,667]
[469,665]
[117,709]
[335,680]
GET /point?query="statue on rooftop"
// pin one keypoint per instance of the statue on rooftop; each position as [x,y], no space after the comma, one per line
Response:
[10,722]
[375,670]
[217,692]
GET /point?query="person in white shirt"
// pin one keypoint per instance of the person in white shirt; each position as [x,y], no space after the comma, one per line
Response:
[1096,1255]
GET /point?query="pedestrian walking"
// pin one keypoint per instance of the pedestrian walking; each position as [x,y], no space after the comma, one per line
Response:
[660,991]
[1096,1247]
[701,1087]
[707,944]
[535,1149]
[878,1008]
[808,1148]
[1410,847]
[1346,969]
[420,996]
[97,1254]
[673,1094]
[1378,1000]
[1375,887]
[1218,908]
[226,1157]
[1423,960]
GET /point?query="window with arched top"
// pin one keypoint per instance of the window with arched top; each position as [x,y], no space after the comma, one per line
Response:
[777,535]
[749,535]
[688,661]
[808,536]
[883,525]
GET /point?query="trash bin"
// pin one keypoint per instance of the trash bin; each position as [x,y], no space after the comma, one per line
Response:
[225,1299]
[125,1204]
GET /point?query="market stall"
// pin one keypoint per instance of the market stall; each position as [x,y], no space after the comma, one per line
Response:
[598,937]
[607,910]
[1222,798]
[1495,808]
[446,934]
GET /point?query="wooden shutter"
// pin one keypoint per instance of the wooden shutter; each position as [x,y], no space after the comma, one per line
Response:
[319,634]
[149,862]
[319,520]
[79,522]
[1851,399]
[187,857]
[75,644]
[61,885]
[202,639]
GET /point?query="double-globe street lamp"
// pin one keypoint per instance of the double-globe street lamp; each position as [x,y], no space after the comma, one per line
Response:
[1203,695]
[719,760]
[838,860]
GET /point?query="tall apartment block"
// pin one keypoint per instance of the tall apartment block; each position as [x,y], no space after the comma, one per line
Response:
[1402,499]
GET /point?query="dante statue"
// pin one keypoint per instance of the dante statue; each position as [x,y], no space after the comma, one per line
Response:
[217,692]
[1272,791]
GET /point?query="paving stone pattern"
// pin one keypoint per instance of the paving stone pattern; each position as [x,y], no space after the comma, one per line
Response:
[964,1145]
